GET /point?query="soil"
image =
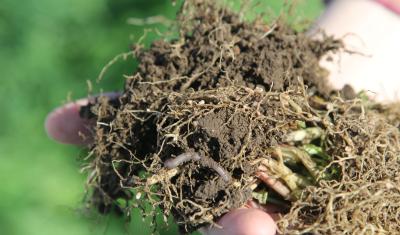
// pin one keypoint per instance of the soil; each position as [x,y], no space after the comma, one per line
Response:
[227,99]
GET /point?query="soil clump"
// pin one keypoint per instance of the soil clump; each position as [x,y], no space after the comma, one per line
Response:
[211,118]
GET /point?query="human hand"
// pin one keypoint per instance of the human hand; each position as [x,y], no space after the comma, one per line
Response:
[376,36]
[66,126]
[373,32]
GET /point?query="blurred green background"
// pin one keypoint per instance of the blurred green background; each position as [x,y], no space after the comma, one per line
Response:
[48,50]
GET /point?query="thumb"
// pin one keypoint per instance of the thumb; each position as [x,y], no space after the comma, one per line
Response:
[65,125]
[244,222]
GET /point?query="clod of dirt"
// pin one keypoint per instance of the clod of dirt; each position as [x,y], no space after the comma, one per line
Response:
[207,112]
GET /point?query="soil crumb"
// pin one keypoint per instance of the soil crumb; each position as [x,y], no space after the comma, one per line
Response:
[205,113]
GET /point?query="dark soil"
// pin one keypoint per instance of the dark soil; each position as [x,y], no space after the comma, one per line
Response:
[225,100]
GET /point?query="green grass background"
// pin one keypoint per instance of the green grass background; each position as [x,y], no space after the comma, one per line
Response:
[48,50]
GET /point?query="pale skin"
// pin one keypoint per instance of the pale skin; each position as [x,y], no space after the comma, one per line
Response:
[373,31]
[365,26]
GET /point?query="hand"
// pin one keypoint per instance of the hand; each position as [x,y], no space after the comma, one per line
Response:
[245,221]
[66,126]
[377,36]
[373,31]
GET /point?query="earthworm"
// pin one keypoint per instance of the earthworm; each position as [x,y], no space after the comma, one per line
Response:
[275,184]
[221,171]
[180,159]
[208,162]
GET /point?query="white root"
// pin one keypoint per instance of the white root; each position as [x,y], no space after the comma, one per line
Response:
[161,176]
[301,156]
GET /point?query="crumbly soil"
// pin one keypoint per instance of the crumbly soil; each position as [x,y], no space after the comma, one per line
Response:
[225,98]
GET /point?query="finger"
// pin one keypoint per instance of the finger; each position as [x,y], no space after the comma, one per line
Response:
[66,126]
[274,211]
[244,222]
[373,55]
